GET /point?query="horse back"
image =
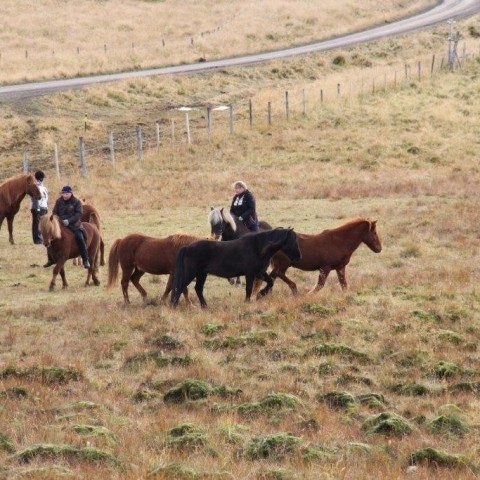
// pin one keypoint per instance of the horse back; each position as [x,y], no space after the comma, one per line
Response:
[90,214]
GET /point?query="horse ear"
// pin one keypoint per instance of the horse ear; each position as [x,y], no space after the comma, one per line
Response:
[211,208]
[373,224]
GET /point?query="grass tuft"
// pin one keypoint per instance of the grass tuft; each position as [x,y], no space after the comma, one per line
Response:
[387,423]
[275,446]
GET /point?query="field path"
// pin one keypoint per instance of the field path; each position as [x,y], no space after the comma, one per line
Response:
[445,10]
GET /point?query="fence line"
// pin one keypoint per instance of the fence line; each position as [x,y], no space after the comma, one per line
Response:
[202,124]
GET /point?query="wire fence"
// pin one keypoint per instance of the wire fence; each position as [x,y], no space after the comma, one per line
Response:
[180,127]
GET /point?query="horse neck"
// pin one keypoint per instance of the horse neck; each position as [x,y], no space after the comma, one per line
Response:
[15,190]
[353,234]
[228,233]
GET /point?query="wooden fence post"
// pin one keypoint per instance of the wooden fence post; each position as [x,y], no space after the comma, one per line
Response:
[250,112]
[187,126]
[433,65]
[230,111]
[111,145]
[338,89]
[287,109]
[55,159]
[139,142]
[157,133]
[321,96]
[25,161]
[419,70]
[209,120]
[83,157]
[304,104]
[269,113]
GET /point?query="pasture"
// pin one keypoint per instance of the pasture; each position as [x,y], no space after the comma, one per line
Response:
[380,381]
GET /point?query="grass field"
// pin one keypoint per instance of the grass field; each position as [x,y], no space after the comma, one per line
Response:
[381,381]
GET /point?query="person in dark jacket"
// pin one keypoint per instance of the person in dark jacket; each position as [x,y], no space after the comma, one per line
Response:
[69,209]
[243,206]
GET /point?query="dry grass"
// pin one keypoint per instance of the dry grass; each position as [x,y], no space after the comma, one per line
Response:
[407,328]
[64,39]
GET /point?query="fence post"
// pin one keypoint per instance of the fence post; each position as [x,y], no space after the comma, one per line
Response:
[187,126]
[157,133]
[250,112]
[139,142]
[321,96]
[338,89]
[209,120]
[304,104]
[373,86]
[287,112]
[83,159]
[419,70]
[111,145]
[406,72]
[230,111]
[55,159]
[25,161]
[433,65]
[269,113]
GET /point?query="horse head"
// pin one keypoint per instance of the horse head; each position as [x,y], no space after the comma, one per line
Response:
[220,220]
[291,248]
[371,239]
[31,187]
[50,228]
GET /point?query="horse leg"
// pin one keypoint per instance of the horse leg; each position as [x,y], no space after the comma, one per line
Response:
[10,229]
[168,289]
[268,288]
[249,287]
[126,274]
[257,283]
[64,278]
[199,284]
[102,252]
[135,279]
[342,278]
[322,277]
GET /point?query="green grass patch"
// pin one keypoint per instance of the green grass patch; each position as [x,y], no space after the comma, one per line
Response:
[276,446]
[47,375]
[387,423]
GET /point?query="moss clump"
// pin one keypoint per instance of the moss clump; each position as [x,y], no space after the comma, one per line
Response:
[338,399]
[436,457]
[189,389]
[273,401]
[210,329]
[371,399]
[470,387]
[165,342]
[14,392]
[143,395]
[47,375]
[450,336]
[174,470]
[446,369]
[387,423]
[318,309]
[410,389]
[186,437]
[258,338]
[6,443]
[95,431]
[449,424]
[275,446]
[138,359]
[67,452]
[324,349]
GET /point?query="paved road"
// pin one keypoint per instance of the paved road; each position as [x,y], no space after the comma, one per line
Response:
[445,10]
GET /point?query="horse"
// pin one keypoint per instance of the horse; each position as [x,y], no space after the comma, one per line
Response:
[12,192]
[226,226]
[249,255]
[90,214]
[329,250]
[61,244]
[138,254]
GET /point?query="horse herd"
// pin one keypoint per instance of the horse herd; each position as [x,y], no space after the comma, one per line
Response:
[186,257]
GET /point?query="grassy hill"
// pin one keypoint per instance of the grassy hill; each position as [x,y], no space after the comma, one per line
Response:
[381,381]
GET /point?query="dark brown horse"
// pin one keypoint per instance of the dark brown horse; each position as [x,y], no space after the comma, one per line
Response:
[62,246]
[90,214]
[12,192]
[327,251]
[138,254]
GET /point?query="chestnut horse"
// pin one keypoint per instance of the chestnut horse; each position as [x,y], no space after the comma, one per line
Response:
[12,192]
[61,244]
[90,214]
[139,254]
[327,251]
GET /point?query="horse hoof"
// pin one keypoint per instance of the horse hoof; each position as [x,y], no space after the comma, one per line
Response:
[96,282]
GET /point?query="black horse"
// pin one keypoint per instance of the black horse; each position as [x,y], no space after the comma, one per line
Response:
[249,255]
[226,226]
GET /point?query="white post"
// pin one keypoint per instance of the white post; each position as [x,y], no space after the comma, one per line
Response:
[83,160]
[187,125]
[139,143]
[55,159]
[230,110]
[111,145]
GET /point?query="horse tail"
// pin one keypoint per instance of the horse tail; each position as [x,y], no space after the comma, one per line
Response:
[113,262]
[179,276]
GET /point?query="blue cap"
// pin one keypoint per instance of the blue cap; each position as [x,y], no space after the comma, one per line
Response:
[67,189]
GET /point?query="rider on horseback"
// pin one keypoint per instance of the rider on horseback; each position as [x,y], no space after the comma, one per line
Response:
[243,206]
[69,209]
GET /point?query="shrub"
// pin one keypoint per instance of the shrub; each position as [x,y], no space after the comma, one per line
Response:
[449,424]
[338,399]
[275,446]
[436,457]
[446,369]
[387,423]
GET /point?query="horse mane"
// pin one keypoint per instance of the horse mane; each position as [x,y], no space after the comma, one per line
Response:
[354,221]
[182,239]
[50,226]
[227,217]
[214,217]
